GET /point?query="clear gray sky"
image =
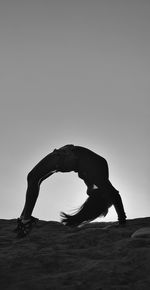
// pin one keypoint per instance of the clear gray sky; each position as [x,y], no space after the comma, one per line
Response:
[74,72]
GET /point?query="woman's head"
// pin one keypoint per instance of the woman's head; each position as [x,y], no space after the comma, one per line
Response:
[94,207]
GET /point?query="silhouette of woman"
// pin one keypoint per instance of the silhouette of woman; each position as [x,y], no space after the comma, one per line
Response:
[92,168]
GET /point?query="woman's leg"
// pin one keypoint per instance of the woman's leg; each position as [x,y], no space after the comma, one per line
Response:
[46,167]
[63,160]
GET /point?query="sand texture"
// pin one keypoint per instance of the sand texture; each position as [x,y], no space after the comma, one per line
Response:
[94,257]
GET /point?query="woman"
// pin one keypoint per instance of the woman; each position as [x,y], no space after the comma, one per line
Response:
[92,168]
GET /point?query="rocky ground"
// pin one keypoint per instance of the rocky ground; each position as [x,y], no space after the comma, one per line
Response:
[97,256]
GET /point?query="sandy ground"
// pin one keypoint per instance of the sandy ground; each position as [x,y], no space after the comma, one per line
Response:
[94,257]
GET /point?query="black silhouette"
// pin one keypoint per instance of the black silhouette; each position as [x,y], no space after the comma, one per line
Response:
[92,168]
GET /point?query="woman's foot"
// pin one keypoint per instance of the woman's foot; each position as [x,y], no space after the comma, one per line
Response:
[24,226]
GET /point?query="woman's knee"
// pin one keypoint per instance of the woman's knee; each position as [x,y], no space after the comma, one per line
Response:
[32,177]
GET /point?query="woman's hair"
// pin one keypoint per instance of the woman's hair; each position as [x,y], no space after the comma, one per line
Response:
[95,206]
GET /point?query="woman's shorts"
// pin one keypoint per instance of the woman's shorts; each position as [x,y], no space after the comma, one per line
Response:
[66,158]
